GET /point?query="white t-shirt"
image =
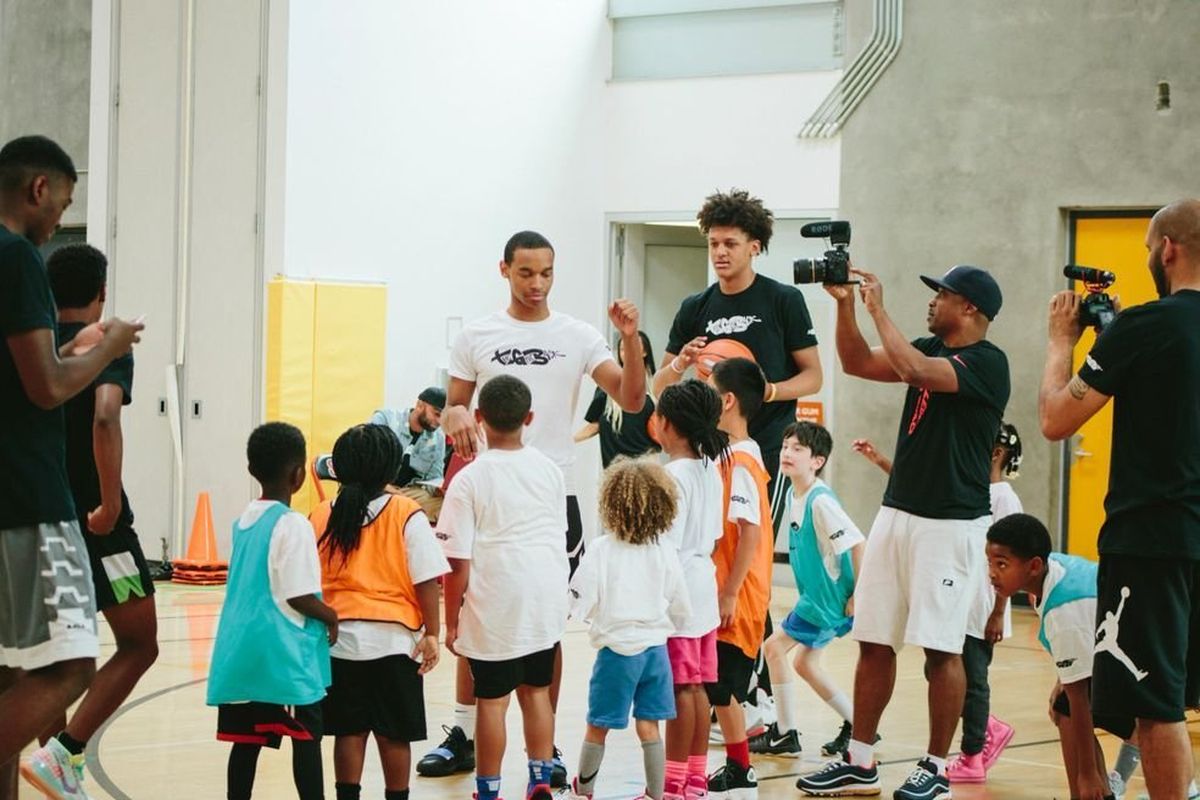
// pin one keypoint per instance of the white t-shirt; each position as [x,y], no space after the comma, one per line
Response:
[694,535]
[293,567]
[633,595]
[551,356]
[743,490]
[1070,629]
[506,512]
[366,640]
[836,532]
[1004,502]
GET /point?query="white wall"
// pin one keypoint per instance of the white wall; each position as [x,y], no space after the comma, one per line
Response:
[420,136]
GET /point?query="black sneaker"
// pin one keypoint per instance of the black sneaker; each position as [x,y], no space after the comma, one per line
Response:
[558,772]
[455,754]
[923,783]
[733,782]
[840,777]
[841,742]
[772,743]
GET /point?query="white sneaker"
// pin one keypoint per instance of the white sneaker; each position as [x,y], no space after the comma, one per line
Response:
[1116,784]
[54,772]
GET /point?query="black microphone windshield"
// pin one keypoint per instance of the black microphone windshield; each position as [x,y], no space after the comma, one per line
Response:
[1088,274]
[834,229]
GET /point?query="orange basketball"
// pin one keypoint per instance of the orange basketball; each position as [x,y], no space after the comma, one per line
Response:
[719,350]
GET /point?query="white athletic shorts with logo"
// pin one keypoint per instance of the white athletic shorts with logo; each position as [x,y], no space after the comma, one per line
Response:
[919,579]
[47,601]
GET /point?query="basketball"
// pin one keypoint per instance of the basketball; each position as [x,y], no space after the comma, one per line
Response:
[719,350]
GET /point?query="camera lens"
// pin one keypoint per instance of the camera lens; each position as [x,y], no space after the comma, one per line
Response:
[808,270]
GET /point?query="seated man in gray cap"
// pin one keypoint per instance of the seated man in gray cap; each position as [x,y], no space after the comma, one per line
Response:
[420,432]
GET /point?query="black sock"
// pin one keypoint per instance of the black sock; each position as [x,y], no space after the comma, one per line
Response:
[74,746]
[395,794]
[347,791]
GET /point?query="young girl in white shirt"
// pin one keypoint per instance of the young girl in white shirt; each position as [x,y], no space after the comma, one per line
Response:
[686,425]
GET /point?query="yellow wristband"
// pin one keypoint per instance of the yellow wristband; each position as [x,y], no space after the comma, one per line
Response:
[771,396]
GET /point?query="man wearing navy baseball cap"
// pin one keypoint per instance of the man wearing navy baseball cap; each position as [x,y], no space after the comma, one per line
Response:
[924,562]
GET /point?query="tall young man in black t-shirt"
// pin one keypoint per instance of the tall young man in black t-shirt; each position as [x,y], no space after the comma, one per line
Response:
[925,553]
[124,590]
[48,640]
[768,317]
[1148,621]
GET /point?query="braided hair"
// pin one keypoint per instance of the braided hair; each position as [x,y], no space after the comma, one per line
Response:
[368,458]
[1008,440]
[694,409]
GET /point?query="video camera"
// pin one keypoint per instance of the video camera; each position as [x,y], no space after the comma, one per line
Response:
[1096,309]
[834,268]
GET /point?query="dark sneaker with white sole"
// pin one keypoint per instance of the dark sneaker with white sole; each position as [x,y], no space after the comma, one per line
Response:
[841,743]
[924,783]
[733,782]
[839,778]
[558,772]
[455,754]
[773,743]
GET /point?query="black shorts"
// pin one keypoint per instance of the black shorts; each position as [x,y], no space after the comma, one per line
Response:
[1147,662]
[735,676]
[119,569]
[574,533]
[384,696]
[1120,727]
[265,724]
[495,679]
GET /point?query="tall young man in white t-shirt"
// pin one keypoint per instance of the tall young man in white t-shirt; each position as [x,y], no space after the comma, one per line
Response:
[551,352]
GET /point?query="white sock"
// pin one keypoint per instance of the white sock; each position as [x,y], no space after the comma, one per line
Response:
[940,763]
[787,702]
[842,705]
[861,753]
[1192,790]
[464,717]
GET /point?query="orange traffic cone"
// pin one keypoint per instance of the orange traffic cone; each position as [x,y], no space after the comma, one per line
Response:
[202,565]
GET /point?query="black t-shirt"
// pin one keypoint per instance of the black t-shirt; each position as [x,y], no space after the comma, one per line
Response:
[772,320]
[944,447]
[633,439]
[34,486]
[80,412]
[1148,360]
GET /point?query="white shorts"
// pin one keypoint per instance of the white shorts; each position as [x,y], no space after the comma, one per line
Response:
[919,580]
[48,606]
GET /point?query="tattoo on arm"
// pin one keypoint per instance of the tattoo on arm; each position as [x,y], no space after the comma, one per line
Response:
[1077,387]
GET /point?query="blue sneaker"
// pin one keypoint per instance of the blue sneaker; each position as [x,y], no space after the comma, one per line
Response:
[923,783]
[558,772]
[839,777]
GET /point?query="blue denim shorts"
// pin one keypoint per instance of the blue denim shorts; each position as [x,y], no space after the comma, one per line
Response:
[642,683]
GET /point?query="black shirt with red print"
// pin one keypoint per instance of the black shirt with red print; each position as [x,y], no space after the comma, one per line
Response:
[944,446]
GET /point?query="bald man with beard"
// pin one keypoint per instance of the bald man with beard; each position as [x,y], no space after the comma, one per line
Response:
[1148,359]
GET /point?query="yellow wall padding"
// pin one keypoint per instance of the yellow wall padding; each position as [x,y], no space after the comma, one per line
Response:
[325,360]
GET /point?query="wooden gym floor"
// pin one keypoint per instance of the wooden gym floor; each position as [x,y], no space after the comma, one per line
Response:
[160,744]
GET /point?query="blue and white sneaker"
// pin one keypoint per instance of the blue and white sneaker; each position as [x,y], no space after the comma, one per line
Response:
[839,778]
[924,783]
[558,772]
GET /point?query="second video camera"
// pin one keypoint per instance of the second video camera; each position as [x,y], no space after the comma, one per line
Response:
[1096,309]
[835,266]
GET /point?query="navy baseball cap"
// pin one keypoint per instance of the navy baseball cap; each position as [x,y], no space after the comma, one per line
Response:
[973,283]
[434,396]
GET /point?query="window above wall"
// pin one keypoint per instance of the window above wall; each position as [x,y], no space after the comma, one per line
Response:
[706,38]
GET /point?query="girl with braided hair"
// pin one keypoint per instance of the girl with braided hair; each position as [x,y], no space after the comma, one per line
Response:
[379,567]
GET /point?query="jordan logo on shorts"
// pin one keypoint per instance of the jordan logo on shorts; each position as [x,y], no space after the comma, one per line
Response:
[1107,633]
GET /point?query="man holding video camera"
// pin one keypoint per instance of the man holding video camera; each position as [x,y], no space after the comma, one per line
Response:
[1147,663]
[925,552]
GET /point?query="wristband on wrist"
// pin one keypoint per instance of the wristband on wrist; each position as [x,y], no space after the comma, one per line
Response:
[771,396]
[675,368]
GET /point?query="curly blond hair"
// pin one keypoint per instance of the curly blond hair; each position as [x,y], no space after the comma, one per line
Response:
[637,500]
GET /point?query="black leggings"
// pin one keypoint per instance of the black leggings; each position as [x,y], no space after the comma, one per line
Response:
[307,770]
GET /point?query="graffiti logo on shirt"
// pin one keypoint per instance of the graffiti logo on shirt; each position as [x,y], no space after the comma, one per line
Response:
[726,325]
[525,357]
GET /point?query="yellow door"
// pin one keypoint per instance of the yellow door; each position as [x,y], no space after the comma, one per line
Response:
[1117,244]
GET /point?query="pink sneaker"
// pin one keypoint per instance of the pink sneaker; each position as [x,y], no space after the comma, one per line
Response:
[696,788]
[967,769]
[999,734]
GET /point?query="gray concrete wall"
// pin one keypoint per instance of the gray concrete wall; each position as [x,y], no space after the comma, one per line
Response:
[994,120]
[45,52]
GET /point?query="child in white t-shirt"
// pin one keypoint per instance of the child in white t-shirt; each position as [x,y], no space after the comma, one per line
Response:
[686,422]
[825,551]
[506,597]
[630,587]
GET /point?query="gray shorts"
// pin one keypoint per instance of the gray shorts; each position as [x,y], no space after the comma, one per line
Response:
[47,600]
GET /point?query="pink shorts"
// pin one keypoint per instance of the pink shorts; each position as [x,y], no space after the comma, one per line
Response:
[693,659]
